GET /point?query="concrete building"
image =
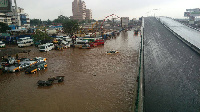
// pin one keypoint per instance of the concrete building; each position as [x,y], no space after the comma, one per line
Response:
[15,18]
[88,14]
[20,18]
[6,18]
[79,11]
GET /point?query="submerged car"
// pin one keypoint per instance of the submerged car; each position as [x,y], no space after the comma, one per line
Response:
[39,59]
[13,68]
[59,47]
[24,66]
[112,52]
[44,83]
[31,70]
[86,46]
[57,78]
[41,65]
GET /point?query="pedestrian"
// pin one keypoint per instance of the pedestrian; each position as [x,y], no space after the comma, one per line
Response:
[17,56]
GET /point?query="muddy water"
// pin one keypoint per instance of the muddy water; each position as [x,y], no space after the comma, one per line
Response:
[94,81]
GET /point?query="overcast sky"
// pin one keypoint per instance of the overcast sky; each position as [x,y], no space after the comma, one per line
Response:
[51,9]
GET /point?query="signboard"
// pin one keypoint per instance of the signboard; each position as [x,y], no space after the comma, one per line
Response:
[5,5]
[188,14]
[193,10]
[124,21]
[195,13]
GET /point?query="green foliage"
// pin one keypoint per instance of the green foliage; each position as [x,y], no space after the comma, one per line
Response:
[61,19]
[35,22]
[49,22]
[4,27]
[41,36]
[70,27]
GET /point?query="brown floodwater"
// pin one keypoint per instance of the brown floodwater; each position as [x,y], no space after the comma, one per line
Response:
[94,81]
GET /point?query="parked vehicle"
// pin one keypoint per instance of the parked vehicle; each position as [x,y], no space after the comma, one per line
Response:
[39,59]
[26,41]
[13,68]
[44,83]
[92,44]
[26,60]
[9,60]
[65,44]
[24,66]
[112,52]
[32,69]
[59,47]
[99,42]
[86,46]
[57,79]
[79,43]
[41,65]
[44,48]
[2,44]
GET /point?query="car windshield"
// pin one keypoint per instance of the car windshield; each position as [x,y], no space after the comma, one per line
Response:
[42,47]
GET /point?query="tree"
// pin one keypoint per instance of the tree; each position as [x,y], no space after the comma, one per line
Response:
[35,22]
[70,27]
[4,27]
[41,36]
[61,19]
[49,22]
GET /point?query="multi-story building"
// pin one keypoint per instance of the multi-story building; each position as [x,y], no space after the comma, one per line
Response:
[6,18]
[79,11]
[88,14]
[20,19]
[15,18]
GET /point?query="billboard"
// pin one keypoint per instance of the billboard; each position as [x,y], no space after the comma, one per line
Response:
[193,10]
[124,21]
[188,14]
[5,5]
[195,13]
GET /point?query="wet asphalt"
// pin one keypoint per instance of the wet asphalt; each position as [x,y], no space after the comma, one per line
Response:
[171,71]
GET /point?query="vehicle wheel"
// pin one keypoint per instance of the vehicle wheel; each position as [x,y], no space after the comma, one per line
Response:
[34,72]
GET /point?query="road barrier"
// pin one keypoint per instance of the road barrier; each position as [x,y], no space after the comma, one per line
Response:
[140,79]
[181,38]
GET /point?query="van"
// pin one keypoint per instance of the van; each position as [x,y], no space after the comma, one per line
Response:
[79,43]
[26,41]
[44,48]
[50,45]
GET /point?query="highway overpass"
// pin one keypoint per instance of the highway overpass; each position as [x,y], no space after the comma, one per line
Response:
[171,71]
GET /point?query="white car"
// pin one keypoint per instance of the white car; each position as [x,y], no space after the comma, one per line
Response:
[24,66]
[2,44]
[39,59]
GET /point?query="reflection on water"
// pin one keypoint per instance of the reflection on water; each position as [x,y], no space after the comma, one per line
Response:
[94,81]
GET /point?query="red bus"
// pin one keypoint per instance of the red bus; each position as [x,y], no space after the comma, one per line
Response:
[99,42]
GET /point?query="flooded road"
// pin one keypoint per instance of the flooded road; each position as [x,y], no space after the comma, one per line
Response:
[94,81]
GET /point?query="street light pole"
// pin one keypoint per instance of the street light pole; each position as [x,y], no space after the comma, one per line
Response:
[154,11]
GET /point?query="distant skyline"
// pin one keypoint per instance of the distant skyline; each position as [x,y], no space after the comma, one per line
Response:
[50,9]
